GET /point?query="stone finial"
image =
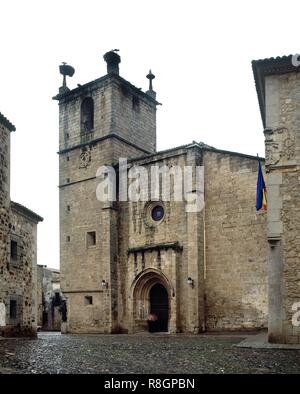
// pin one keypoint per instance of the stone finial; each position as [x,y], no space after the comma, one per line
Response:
[65,70]
[151,92]
[112,59]
[150,76]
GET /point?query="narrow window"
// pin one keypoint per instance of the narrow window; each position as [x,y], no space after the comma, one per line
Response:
[13,309]
[88,300]
[68,180]
[68,158]
[87,115]
[91,238]
[68,238]
[68,208]
[14,250]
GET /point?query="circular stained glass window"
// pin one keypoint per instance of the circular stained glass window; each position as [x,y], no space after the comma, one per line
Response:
[157,213]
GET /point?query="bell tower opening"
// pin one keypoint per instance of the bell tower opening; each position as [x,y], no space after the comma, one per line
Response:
[159,305]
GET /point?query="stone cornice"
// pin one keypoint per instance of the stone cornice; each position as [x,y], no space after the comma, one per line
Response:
[272,66]
[105,137]
[161,246]
[109,78]
[25,212]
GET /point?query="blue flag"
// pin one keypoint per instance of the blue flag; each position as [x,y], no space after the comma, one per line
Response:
[261,191]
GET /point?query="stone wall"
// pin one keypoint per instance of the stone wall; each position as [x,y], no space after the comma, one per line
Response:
[49,299]
[40,297]
[236,246]
[161,251]
[133,116]
[4,216]
[20,277]
[282,163]
[18,248]
[119,109]
[52,296]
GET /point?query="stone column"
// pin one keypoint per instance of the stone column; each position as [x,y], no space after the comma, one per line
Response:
[110,256]
[195,254]
[174,291]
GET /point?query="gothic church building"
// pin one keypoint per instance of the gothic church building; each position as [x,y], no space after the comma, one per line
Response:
[198,271]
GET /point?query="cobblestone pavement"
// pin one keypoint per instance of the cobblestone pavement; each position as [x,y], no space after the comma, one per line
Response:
[156,353]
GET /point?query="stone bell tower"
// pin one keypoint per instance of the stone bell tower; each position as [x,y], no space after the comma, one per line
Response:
[99,122]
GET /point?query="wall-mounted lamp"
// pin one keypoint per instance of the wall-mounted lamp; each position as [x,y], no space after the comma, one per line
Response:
[190,282]
[104,284]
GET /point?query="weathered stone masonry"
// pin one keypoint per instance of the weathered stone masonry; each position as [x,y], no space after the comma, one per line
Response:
[209,266]
[18,236]
[278,87]
[49,299]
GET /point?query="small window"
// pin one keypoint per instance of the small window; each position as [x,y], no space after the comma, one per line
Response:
[13,309]
[68,208]
[68,238]
[68,158]
[88,300]
[14,250]
[87,115]
[67,136]
[68,180]
[91,238]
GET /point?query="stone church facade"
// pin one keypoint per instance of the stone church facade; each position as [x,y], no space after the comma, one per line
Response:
[18,252]
[198,271]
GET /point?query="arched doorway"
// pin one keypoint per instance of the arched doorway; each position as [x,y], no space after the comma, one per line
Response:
[159,304]
[152,292]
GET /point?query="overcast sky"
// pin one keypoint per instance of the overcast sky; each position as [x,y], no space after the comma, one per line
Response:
[200,52]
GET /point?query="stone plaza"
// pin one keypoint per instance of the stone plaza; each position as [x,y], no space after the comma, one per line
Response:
[55,353]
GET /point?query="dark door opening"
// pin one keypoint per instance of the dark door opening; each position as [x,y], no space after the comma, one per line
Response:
[159,304]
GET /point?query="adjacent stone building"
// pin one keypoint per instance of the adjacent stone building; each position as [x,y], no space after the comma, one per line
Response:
[49,299]
[197,269]
[278,88]
[18,252]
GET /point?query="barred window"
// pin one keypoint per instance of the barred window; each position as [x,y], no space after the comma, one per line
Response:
[14,250]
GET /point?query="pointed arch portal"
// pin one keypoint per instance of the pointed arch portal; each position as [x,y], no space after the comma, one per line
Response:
[152,292]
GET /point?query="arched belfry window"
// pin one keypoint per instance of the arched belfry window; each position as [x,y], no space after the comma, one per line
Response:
[87,114]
